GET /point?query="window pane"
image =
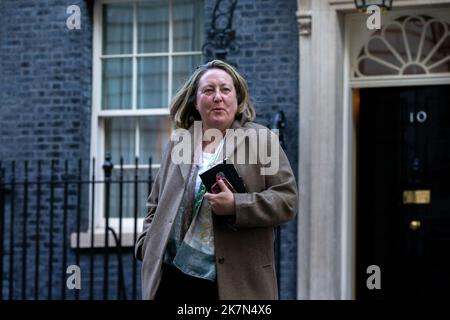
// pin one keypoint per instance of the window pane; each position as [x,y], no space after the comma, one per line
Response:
[128,191]
[120,139]
[153,27]
[183,66]
[154,132]
[116,84]
[187,25]
[152,82]
[413,29]
[369,67]
[117,29]
[435,33]
[378,48]
[394,36]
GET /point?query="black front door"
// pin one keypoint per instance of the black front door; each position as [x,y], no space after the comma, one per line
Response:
[403,192]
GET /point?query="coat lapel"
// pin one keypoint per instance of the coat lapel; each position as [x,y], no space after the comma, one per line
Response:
[185,168]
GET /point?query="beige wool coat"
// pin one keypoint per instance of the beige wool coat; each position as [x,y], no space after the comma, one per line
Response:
[244,243]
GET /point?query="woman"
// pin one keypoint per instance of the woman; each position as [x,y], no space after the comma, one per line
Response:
[199,245]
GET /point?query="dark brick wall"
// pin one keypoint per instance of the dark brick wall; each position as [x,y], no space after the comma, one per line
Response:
[266,31]
[45,113]
[46,81]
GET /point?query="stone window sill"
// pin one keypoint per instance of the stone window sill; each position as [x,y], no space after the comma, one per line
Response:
[99,239]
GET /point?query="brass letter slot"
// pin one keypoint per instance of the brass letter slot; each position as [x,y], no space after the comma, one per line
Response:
[416,196]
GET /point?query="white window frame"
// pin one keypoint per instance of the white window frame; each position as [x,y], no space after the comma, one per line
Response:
[99,115]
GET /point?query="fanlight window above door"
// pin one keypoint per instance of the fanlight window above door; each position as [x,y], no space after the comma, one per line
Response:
[407,46]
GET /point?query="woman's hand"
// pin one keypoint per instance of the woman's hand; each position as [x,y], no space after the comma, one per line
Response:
[221,203]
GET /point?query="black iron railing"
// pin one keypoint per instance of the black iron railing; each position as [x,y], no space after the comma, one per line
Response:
[43,204]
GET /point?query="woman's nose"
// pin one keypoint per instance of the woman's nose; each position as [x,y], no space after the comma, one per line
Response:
[217,96]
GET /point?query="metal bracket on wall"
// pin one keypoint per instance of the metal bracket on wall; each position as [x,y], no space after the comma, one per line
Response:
[221,36]
[304,23]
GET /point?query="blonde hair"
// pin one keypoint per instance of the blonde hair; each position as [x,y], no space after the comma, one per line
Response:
[182,107]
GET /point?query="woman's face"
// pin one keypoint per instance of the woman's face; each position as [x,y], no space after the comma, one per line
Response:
[216,99]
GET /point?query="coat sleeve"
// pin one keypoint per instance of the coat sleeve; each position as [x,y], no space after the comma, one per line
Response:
[152,202]
[275,205]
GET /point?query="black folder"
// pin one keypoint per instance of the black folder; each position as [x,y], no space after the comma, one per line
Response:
[226,170]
